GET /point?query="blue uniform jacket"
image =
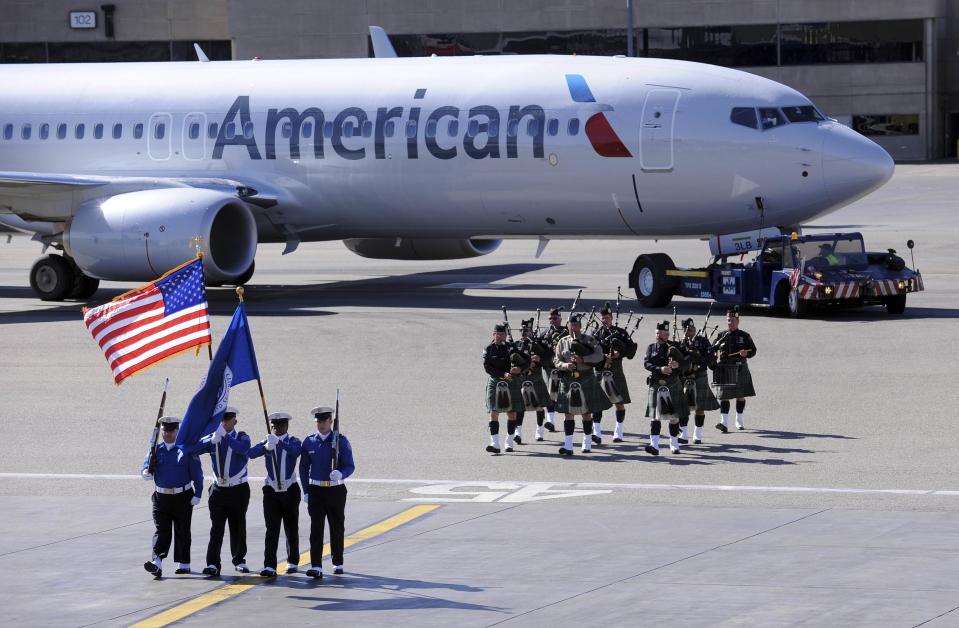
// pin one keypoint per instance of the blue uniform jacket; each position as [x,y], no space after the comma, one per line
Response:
[230,453]
[287,451]
[175,467]
[316,459]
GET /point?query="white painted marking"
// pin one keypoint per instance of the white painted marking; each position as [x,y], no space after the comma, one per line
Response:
[509,492]
[430,484]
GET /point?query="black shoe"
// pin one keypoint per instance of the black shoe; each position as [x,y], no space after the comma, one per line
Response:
[597,440]
[268,573]
[539,439]
[617,440]
[722,428]
[211,571]
[152,568]
[549,427]
[508,448]
[683,441]
[565,452]
[675,451]
[518,440]
[586,451]
[741,428]
[181,571]
[243,569]
[316,574]
[651,450]
[292,570]
[492,450]
[697,442]
[338,571]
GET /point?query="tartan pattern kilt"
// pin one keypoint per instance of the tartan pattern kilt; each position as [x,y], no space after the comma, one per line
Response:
[539,385]
[675,391]
[516,396]
[596,400]
[699,392]
[545,372]
[742,389]
[619,377]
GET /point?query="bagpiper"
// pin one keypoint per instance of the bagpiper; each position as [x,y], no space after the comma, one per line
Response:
[696,387]
[664,399]
[550,337]
[502,386]
[734,347]
[577,354]
[616,345]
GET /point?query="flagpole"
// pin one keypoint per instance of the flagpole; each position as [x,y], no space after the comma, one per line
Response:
[209,347]
[266,414]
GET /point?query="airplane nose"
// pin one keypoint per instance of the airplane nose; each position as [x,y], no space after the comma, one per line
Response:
[853,165]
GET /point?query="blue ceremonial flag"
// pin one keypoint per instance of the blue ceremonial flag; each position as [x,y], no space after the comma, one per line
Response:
[234,363]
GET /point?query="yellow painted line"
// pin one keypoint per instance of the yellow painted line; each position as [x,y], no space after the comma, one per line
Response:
[242,585]
[687,273]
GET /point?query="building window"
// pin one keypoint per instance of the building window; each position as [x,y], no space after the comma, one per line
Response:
[889,124]
[117,131]
[138,131]
[44,131]
[890,41]
[753,45]
[98,131]
[744,116]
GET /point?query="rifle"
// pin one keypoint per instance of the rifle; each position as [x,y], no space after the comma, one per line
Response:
[336,432]
[151,467]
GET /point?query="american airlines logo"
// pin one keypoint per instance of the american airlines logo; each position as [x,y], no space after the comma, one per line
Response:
[480,139]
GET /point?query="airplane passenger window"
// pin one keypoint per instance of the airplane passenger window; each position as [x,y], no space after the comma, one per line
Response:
[493,128]
[573,127]
[248,130]
[454,128]
[117,131]
[212,130]
[348,128]
[431,128]
[328,130]
[806,113]
[367,128]
[8,132]
[511,128]
[195,130]
[473,129]
[744,116]
[306,129]
[231,130]
[532,128]
[98,131]
[159,131]
[78,131]
[44,131]
[771,117]
[61,131]
[388,129]
[411,129]
[25,131]
[287,131]
[138,131]
[552,127]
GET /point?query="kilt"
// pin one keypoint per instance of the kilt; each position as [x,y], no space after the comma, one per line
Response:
[539,385]
[516,396]
[699,393]
[744,388]
[596,400]
[676,392]
[619,377]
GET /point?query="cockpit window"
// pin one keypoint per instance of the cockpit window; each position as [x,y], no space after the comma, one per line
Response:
[746,116]
[806,113]
[770,117]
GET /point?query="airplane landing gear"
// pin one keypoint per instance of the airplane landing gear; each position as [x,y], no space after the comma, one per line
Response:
[648,278]
[57,277]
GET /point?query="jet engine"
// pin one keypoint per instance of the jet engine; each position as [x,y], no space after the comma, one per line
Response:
[421,248]
[138,236]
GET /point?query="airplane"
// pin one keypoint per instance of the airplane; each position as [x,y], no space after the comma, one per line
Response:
[130,169]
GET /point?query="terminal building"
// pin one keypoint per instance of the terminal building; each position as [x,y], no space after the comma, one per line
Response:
[887,68]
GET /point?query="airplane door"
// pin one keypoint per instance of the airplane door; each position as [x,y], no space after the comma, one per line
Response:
[659,113]
[194,136]
[159,136]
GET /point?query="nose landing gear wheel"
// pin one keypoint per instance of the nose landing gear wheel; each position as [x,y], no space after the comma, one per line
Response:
[52,278]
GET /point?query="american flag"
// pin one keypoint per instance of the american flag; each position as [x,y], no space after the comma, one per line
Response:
[794,277]
[152,323]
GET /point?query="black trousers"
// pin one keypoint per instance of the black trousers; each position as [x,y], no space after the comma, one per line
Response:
[172,515]
[327,503]
[281,508]
[228,505]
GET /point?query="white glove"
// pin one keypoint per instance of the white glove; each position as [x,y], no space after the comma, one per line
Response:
[271,441]
[335,475]
[195,501]
[146,475]
[217,437]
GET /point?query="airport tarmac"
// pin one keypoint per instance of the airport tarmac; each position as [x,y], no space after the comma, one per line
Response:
[838,505]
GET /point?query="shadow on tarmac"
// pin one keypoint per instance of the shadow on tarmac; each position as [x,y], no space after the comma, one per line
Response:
[430,290]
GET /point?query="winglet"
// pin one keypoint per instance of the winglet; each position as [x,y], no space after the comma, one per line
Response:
[200,55]
[382,48]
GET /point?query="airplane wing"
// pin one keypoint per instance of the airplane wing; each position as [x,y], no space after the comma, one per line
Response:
[46,197]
